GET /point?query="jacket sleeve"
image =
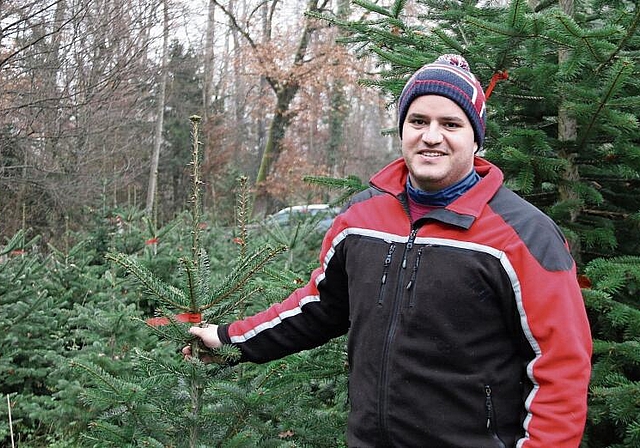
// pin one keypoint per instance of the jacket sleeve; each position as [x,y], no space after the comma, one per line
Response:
[554,320]
[309,317]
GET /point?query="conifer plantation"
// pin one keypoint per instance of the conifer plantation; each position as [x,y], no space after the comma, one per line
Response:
[97,292]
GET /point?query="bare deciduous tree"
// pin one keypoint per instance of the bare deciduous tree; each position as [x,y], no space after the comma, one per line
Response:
[283,73]
[160,105]
[76,82]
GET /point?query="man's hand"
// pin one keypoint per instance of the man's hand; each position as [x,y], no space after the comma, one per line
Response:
[209,337]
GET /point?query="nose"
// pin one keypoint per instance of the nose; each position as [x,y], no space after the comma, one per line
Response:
[432,134]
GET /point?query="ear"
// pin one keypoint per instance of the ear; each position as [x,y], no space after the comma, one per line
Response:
[475,147]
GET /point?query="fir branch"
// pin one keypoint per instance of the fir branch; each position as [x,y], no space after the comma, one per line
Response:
[167,294]
[30,307]
[243,210]
[17,241]
[25,264]
[450,42]
[75,251]
[122,397]
[350,184]
[397,8]
[164,230]
[112,384]
[516,14]
[619,74]
[373,7]
[630,34]
[606,213]
[399,59]
[204,271]
[496,28]
[242,273]
[222,310]
[192,276]
[151,228]
[107,432]
[174,331]
[625,351]
[284,278]
[585,39]
[544,4]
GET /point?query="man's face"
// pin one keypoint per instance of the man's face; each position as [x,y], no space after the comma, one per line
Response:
[437,143]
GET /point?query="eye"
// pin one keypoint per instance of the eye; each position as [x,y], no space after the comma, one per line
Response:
[417,121]
[451,124]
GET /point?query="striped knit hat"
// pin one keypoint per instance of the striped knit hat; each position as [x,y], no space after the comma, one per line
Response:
[447,76]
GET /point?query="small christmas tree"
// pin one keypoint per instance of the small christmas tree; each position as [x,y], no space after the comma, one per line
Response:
[168,401]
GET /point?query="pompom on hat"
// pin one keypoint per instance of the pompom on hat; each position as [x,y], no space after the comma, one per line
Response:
[451,77]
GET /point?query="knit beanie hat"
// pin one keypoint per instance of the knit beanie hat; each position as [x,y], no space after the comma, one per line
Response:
[447,76]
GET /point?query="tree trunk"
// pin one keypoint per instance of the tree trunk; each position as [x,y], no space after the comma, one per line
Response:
[567,135]
[157,139]
[208,64]
[339,107]
[281,119]
[272,149]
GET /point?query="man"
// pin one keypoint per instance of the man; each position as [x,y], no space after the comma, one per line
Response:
[466,324]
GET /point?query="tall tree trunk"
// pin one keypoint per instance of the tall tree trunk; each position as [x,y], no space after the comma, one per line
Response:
[567,135]
[207,94]
[285,93]
[157,139]
[207,90]
[277,128]
[339,107]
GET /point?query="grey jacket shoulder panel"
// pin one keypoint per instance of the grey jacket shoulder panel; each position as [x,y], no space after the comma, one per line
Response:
[361,197]
[538,232]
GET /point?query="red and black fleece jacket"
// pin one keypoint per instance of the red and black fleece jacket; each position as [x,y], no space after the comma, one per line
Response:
[466,328]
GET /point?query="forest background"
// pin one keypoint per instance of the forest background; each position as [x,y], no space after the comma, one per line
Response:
[104,179]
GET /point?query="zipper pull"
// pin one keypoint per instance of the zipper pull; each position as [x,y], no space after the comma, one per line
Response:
[387,262]
[488,405]
[410,241]
[385,270]
[414,273]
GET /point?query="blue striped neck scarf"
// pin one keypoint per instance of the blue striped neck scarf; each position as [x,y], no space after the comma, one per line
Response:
[444,197]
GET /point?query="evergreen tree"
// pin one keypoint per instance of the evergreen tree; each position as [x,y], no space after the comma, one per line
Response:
[614,312]
[166,401]
[584,183]
[55,308]
[563,95]
[184,94]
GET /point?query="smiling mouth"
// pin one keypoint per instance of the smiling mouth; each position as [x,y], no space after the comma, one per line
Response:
[431,154]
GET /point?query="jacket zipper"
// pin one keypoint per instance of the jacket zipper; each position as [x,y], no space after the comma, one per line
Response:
[414,275]
[491,424]
[393,323]
[385,272]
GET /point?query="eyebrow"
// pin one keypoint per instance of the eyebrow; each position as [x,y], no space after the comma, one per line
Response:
[455,118]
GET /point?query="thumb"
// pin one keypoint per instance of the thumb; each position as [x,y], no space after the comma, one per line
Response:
[196,331]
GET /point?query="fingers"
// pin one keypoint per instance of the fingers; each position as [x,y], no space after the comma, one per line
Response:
[197,331]
[208,334]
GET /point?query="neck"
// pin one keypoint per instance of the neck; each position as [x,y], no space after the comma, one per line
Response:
[444,197]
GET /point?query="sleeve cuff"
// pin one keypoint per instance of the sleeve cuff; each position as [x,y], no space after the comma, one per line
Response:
[223,334]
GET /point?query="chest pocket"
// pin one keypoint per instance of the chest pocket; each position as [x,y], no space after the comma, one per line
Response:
[455,298]
[372,267]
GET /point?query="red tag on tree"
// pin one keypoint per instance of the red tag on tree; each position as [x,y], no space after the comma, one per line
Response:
[584,281]
[194,318]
